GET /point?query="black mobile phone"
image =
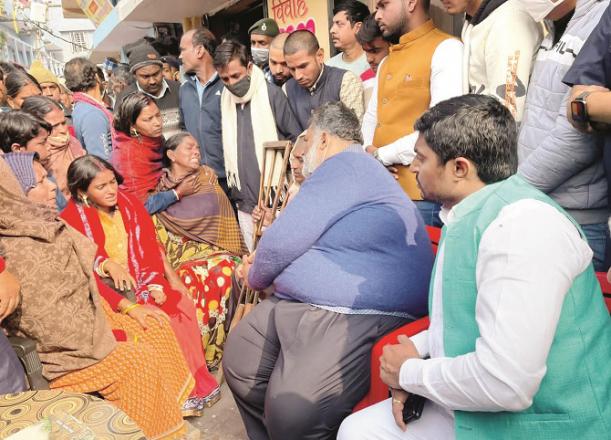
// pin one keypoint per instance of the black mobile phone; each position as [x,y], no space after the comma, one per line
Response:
[412,408]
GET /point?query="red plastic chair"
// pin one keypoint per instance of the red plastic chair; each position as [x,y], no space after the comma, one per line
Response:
[605,286]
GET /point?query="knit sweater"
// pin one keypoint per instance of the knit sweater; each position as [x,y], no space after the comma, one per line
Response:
[350,239]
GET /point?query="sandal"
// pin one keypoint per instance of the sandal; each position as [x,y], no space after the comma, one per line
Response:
[211,399]
[192,407]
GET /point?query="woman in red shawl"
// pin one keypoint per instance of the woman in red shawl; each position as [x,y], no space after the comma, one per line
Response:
[138,153]
[130,258]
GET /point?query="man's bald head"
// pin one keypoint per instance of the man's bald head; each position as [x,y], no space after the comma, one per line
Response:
[301,40]
[277,63]
[278,41]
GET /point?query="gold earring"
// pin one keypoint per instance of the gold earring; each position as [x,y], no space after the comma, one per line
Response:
[85,200]
[134,132]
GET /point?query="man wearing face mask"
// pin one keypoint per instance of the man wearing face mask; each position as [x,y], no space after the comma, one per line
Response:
[253,111]
[261,35]
[350,260]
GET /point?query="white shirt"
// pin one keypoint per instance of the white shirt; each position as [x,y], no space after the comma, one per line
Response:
[446,82]
[164,88]
[528,258]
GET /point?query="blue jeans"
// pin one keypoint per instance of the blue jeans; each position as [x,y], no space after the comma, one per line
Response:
[429,212]
[597,239]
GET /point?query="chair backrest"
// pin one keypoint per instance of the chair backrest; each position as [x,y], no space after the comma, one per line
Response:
[434,236]
[605,286]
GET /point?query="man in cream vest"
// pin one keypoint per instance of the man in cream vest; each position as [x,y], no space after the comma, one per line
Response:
[520,339]
[421,70]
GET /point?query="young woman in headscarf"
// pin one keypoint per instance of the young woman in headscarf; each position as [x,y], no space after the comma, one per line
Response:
[131,358]
[201,238]
[130,258]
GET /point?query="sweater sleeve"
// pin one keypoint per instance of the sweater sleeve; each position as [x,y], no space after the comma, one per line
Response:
[286,123]
[593,64]
[96,133]
[329,194]
[510,63]
[160,201]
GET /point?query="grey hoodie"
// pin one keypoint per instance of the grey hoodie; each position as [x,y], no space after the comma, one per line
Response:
[553,156]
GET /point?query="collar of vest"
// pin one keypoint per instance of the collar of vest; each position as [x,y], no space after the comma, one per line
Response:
[420,31]
[474,200]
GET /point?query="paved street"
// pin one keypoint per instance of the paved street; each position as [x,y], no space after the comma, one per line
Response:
[222,421]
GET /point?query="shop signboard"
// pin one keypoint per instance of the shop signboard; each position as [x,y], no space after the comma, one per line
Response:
[312,15]
[95,10]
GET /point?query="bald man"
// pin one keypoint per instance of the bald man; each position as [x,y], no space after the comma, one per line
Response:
[277,63]
[314,84]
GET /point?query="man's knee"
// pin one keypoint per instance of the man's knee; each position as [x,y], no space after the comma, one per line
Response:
[233,362]
[352,428]
[289,415]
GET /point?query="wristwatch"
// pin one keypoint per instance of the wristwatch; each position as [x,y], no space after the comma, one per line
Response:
[579,108]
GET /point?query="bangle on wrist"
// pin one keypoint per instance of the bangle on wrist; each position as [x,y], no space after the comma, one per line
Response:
[129,308]
[100,270]
[176,194]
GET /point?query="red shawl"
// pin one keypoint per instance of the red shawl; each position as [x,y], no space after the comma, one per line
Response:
[143,254]
[139,161]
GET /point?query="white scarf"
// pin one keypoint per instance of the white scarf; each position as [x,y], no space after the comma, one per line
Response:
[263,126]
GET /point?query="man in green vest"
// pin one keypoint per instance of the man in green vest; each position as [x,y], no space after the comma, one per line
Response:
[520,340]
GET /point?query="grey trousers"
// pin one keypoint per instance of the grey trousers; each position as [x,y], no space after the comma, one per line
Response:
[296,371]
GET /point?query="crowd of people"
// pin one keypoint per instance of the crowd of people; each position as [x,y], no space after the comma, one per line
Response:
[130,196]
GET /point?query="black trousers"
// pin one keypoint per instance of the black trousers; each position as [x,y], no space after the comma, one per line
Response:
[296,371]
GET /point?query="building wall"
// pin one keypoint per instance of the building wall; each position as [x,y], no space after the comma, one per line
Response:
[76,34]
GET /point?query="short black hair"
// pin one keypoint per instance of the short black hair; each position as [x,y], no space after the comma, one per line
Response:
[355,10]
[369,31]
[129,109]
[16,80]
[40,106]
[80,74]
[17,127]
[83,170]
[203,37]
[301,40]
[230,50]
[477,127]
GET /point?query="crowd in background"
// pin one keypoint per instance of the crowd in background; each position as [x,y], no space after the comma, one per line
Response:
[130,195]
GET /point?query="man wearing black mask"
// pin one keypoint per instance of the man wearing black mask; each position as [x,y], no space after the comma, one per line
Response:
[248,95]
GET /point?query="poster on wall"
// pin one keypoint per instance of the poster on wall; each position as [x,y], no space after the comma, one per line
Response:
[312,15]
[95,10]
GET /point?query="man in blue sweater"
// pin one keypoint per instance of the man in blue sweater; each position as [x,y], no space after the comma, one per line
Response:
[349,260]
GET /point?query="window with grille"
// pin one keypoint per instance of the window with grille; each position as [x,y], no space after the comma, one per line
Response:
[78,41]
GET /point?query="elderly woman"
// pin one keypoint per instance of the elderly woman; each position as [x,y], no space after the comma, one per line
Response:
[63,148]
[140,368]
[20,85]
[138,153]
[129,256]
[91,119]
[201,238]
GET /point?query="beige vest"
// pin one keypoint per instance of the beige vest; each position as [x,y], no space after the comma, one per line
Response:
[404,91]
